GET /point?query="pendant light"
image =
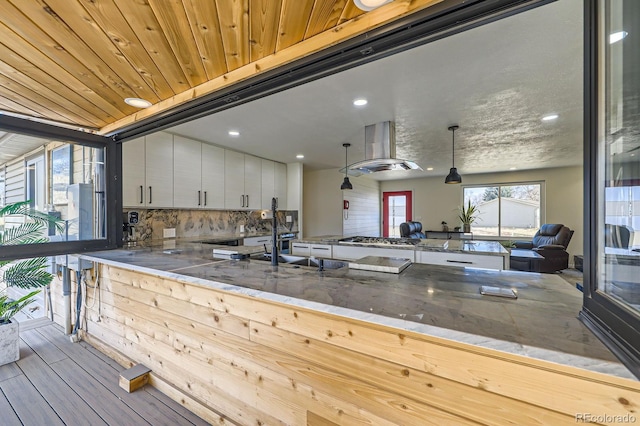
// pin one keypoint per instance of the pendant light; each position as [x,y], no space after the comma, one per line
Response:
[453,176]
[346,184]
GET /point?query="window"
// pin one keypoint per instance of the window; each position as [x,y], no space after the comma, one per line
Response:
[506,210]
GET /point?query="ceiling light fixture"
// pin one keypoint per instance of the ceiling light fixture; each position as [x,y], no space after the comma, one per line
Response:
[453,176]
[300,156]
[234,133]
[616,37]
[346,184]
[513,168]
[137,102]
[360,102]
[550,117]
[368,5]
[429,168]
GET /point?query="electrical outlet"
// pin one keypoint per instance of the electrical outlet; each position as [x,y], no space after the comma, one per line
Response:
[289,220]
[169,233]
[241,228]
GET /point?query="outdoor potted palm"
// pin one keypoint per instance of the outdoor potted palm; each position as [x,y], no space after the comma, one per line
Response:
[467,216]
[24,274]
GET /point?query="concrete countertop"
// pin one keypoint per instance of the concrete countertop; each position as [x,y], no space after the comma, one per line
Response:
[434,300]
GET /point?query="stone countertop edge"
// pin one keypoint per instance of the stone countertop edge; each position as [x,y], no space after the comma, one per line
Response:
[556,357]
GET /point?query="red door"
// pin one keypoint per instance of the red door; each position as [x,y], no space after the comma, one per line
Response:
[396,208]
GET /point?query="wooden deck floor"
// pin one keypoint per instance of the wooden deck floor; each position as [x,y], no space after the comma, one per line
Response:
[57,382]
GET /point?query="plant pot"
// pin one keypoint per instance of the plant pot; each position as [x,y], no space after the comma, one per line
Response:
[9,342]
[466,227]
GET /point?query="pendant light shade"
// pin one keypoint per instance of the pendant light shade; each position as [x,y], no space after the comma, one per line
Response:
[346,184]
[453,176]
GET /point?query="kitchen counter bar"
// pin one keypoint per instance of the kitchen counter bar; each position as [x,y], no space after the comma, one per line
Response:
[434,300]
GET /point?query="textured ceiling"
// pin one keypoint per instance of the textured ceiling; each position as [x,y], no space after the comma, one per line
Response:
[495,81]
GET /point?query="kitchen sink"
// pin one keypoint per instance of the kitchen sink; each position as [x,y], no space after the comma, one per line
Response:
[301,261]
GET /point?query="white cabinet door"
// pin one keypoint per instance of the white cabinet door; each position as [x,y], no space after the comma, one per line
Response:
[133,173]
[159,169]
[300,249]
[256,241]
[320,250]
[252,182]
[213,177]
[461,259]
[187,176]
[280,183]
[268,183]
[355,252]
[234,196]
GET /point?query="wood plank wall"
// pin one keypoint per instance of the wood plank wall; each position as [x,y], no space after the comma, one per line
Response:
[364,208]
[243,360]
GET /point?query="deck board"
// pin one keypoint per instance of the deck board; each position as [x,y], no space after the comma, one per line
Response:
[69,406]
[27,402]
[57,382]
[145,404]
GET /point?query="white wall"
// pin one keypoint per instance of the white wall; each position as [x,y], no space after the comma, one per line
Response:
[323,205]
[434,201]
[295,191]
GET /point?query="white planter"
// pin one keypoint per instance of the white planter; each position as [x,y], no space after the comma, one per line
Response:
[9,342]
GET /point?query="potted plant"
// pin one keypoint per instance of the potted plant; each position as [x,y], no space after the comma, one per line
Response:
[467,216]
[508,244]
[445,227]
[24,274]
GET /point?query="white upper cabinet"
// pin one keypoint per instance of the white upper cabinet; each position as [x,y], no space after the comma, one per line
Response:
[147,171]
[234,196]
[133,173]
[213,177]
[280,183]
[187,173]
[268,183]
[253,182]
[274,184]
[159,169]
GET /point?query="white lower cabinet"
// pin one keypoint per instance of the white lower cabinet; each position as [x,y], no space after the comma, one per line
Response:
[301,249]
[257,241]
[354,252]
[321,250]
[460,259]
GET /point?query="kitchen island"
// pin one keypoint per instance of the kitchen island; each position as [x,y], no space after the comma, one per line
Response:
[289,344]
[462,253]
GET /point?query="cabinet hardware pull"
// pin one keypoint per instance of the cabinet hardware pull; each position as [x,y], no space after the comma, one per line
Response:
[319,248]
[141,194]
[460,261]
[242,198]
[205,198]
[247,201]
[199,197]
[150,195]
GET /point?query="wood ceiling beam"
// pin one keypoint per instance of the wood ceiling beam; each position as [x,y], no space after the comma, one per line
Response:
[356,26]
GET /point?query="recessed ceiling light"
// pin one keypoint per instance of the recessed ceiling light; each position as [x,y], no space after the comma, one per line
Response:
[513,168]
[137,102]
[550,117]
[360,102]
[234,133]
[368,5]
[429,168]
[300,156]
[616,37]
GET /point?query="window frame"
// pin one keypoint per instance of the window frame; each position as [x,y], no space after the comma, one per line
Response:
[543,213]
[113,189]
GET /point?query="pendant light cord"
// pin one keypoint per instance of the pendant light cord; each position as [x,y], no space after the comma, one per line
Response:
[453,147]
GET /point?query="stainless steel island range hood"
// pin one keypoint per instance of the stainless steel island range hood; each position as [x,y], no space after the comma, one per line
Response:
[380,151]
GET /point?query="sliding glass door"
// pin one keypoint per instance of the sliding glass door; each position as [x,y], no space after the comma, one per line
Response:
[612,174]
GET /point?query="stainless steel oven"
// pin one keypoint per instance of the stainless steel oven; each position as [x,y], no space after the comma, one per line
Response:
[284,242]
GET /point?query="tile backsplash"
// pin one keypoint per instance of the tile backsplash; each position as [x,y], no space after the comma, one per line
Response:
[206,223]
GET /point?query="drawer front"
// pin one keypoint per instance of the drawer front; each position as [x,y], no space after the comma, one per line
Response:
[355,252]
[257,241]
[301,249]
[320,250]
[461,259]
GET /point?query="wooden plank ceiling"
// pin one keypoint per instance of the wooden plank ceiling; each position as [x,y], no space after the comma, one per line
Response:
[75,61]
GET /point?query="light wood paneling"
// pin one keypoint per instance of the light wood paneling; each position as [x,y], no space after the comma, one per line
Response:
[88,56]
[256,361]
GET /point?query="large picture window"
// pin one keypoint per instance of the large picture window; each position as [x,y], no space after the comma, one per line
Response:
[506,210]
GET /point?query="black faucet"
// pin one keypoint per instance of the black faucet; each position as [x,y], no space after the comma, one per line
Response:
[274,233]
